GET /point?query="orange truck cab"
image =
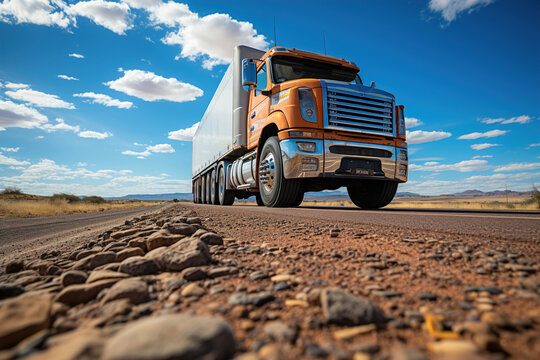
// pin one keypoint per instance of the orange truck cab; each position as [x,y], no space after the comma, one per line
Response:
[285,121]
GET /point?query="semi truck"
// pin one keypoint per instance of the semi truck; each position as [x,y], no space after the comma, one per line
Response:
[284,122]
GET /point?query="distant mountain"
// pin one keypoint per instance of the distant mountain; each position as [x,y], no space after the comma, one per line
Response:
[469,193]
[155,197]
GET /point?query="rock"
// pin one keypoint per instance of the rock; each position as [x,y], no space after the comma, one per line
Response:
[80,344]
[351,332]
[252,299]
[193,274]
[181,229]
[138,243]
[220,271]
[472,327]
[134,290]
[127,253]
[406,353]
[73,277]
[387,293]
[123,233]
[193,290]
[20,318]
[487,342]
[342,308]
[258,275]
[182,255]
[279,331]
[86,253]
[495,319]
[315,350]
[14,266]
[427,296]
[82,293]
[453,348]
[178,336]
[334,232]
[489,289]
[10,290]
[194,220]
[162,238]
[212,239]
[138,265]
[281,278]
[93,261]
[99,275]
[115,308]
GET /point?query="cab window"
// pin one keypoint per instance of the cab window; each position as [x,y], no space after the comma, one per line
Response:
[262,79]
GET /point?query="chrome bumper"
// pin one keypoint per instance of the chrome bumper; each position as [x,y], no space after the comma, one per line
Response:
[322,162]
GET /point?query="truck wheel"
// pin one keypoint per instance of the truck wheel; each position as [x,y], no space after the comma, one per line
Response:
[225,197]
[203,190]
[194,191]
[275,190]
[199,191]
[259,200]
[214,199]
[372,194]
[208,187]
[298,200]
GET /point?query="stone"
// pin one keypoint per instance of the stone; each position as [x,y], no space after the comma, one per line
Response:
[251,299]
[407,353]
[495,319]
[342,308]
[182,255]
[487,342]
[10,290]
[181,229]
[193,274]
[14,266]
[73,277]
[123,233]
[115,308]
[138,243]
[279,331]
[80,344]
[387,293]
[489,289]
[453,348]
[99,275]
[194,220]
[93,261]
[315,350]
[258,275]
[23,317]
[86,253]
[82,293]
[193,290]
[138,265]
[211,238]
[172,336]
[351,332]
[135,290]
[281,278]
[162,238]
[220,271]
[427,296]
[127,253]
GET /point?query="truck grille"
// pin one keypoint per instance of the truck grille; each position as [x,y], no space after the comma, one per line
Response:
[356,111]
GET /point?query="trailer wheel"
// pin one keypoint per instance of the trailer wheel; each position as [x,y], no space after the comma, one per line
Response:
[194,191]
[275,190]
[225,197]
[372,194]
[214,199]
[207,184]
[203,189]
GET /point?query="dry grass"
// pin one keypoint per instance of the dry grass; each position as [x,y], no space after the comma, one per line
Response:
[32,205]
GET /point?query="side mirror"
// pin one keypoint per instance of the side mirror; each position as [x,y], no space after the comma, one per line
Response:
[249,73]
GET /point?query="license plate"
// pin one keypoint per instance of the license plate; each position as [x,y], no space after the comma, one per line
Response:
[362,171]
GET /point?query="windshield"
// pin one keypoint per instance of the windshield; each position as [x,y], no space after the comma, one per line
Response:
[285,68]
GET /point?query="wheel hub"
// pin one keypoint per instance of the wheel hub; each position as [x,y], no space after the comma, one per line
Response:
[267,172]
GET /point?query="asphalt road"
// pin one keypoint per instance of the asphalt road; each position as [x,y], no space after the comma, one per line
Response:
[515,226]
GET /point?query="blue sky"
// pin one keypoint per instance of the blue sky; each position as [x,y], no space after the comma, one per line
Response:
[101,97]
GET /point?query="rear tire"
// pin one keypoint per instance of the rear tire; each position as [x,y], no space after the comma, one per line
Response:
[225,197]
[372,194]
[208,188]
[203,189]
[213,189]
[298,200]
[275,190]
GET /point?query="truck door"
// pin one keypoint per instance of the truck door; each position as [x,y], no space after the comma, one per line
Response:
[259,108]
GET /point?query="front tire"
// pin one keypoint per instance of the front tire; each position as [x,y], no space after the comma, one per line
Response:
[275,190]
[259,200]
[372,194]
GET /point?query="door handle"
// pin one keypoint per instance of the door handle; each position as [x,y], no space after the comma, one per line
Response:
[253,114]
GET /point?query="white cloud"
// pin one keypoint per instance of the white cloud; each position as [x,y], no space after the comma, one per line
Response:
[412,122]
[94,134]
[19,115]
[517,167]
[462,166]
[39,137]
[60,126]
[137,144]
[533,145]
[39,12]
[141,154]
[111,15]
[523,119]
[196,42]
[65,77]
[482,156]
[105,100]
[39,98]
[78,56]
[151,87]
[483,146]
[184,134]
[420,136]
[450,9]
[487,134]
[82,164]
[4,160]
[11,85]
[7,149]
[161,148]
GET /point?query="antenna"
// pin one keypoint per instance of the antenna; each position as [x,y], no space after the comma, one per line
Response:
[324,41]
[275,37]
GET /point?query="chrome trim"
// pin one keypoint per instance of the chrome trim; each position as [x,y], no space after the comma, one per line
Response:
[292,158]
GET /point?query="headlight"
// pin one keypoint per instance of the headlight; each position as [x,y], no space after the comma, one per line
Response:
[403,155]
[402,170]
[307,104]
[401,120]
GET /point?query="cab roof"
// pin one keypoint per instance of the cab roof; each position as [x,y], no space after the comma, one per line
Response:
[279,50]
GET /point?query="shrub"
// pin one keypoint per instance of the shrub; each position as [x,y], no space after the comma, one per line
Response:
[536,196]
[11,190]
[70,198]
[93,199]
